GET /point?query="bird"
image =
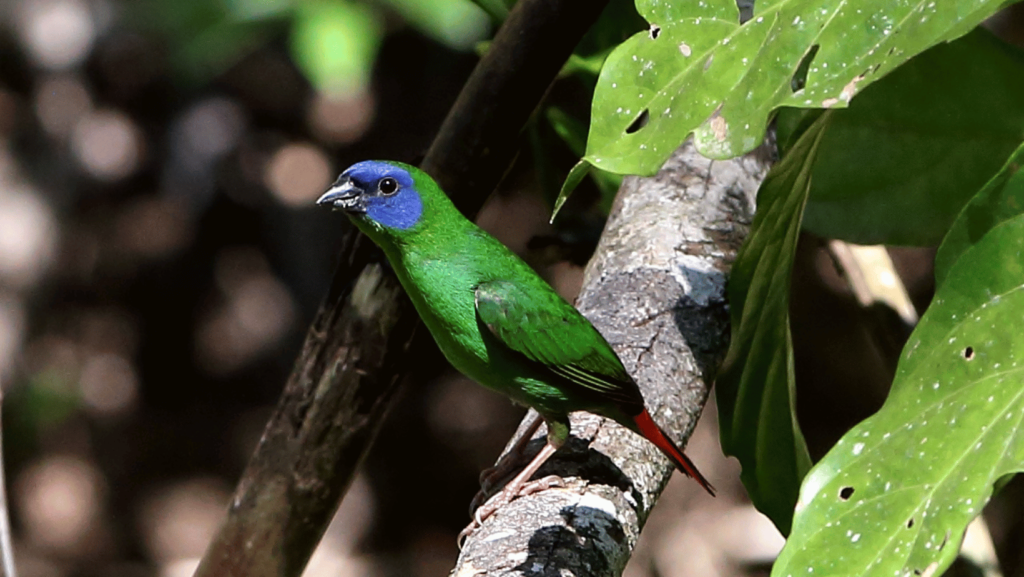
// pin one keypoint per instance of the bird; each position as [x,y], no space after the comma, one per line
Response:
[492,316]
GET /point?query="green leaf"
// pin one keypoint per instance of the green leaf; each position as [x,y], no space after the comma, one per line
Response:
[912,149]
[895,495]
[588,65]
[1000,200]
[698,70]
[572,131]
[756,398]
[576,176]
[335,44]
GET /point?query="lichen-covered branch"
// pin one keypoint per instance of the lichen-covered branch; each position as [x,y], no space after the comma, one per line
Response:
[656,289]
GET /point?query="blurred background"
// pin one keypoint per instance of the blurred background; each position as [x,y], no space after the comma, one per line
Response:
[160,261]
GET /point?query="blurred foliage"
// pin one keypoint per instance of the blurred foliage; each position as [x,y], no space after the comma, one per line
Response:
[334,42]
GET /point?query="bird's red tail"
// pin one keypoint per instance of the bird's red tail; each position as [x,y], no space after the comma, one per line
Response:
[653,433]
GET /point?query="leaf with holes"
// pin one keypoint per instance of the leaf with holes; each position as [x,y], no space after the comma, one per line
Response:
[756,403]
[1000,200]
[698,70]
[920,142]
[895,495]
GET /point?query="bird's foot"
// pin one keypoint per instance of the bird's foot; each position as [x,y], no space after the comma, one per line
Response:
[493,477]
[506,496]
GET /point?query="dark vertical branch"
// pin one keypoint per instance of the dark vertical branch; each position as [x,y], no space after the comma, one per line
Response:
[345,377]
[479,137]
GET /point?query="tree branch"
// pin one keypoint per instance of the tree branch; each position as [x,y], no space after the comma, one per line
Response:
[345,377]
[656,289]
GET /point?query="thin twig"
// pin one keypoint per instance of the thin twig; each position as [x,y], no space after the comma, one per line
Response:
[6,546]
[873,278]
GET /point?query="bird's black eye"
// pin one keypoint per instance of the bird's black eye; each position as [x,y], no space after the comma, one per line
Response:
[388,186]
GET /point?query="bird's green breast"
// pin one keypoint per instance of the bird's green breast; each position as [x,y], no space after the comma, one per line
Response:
[441,278]
[442,285]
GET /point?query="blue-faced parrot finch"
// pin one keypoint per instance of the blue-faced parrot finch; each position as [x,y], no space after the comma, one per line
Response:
[492,316]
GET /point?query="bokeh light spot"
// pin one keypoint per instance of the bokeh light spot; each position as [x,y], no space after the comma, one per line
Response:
[28,237]
[178,521]
[108,384]
[57,34]
[341,120]
[298,173]
[60,102]
[59,500]
[255,312]
[107,144]
[154,227]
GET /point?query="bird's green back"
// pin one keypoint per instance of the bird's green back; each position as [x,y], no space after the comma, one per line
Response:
[496,320]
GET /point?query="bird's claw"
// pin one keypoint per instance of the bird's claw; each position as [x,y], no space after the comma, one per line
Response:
[482,512]
[542,484]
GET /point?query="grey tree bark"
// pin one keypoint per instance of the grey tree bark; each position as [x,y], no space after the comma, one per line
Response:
[655,288]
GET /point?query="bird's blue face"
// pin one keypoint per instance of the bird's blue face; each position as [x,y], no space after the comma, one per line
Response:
[377,191]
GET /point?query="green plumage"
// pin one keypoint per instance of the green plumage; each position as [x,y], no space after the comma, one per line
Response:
[497,321]
[493,318]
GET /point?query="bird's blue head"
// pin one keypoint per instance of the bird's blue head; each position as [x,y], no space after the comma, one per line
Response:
[382,193]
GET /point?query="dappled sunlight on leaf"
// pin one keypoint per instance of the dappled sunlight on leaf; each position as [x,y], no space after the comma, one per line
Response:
[705,73]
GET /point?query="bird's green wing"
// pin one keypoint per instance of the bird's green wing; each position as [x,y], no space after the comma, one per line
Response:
[533,320]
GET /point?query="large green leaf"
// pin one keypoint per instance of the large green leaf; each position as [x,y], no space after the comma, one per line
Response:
[698,70]
[912,149]
[895,495]
[756,400]
[1000,200]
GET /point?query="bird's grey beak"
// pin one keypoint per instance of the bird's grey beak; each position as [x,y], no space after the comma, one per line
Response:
[344,195]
